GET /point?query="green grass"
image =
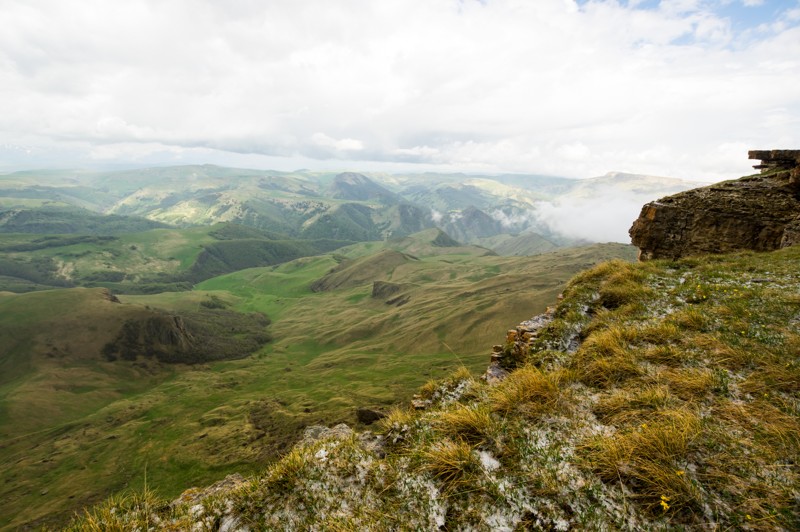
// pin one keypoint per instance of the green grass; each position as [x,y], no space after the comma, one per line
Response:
[144,262]
[332,352]
[678,410]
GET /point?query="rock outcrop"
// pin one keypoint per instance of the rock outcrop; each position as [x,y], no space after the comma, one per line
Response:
[759,212]
[192,338]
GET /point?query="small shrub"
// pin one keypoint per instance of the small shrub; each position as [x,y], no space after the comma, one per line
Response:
[213,302]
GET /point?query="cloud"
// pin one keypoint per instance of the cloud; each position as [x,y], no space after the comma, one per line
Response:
[321,139]
[606,217]
[551,86]
[514,220]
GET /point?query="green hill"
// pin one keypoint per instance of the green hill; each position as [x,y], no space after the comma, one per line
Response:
[331,353]
[70,220]
[657,396]
[524,244]
[145,262]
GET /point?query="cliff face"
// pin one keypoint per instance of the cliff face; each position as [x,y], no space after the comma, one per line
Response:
[759,212]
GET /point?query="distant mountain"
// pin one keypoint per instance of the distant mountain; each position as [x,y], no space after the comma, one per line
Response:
[470,225]
[353,206]
[637,184]
[358,187]
[519,245]
[70,220]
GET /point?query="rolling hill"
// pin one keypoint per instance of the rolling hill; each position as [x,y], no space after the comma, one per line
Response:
[144,262]
[332,352]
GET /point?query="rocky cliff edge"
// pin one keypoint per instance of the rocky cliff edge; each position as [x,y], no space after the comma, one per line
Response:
[760,212]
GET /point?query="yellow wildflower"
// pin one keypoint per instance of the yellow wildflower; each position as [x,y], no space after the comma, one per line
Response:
[664,505]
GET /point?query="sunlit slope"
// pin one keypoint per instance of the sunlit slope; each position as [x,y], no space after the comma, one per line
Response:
[50,367]
[449,299]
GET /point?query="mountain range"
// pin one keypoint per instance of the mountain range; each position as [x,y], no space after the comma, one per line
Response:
[345,206]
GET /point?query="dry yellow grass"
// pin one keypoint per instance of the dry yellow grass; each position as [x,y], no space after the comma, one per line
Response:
[605,358]
[472,423]
[650,456]
[527,390]
[633,406]
[452,463]
[690,384]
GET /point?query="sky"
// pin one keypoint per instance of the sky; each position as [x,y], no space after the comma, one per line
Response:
[679,88]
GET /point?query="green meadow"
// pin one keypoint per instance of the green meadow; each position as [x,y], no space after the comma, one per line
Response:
[76,428]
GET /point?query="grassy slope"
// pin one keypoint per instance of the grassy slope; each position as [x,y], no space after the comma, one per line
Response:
[333,351]
[677,409]
[163,259]
[138,255]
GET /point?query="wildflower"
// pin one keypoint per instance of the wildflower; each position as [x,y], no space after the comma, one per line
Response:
[747,516]
[664,504]
[680,472]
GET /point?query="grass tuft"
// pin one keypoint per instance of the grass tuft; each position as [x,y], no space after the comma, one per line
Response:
[649,458]
[129,511]
[284,473]
[605,358]
[471,423]
[453,463]
[527,390]
[625,406]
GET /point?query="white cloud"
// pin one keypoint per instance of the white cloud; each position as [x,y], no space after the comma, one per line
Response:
[506,85]
[603,218]
[321,139]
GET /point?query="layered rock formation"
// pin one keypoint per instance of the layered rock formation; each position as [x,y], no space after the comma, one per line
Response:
[759,212]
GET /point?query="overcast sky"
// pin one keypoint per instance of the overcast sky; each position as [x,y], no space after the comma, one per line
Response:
[677,88]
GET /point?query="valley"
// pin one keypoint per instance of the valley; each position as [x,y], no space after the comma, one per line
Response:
[153,337]
[75,422]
